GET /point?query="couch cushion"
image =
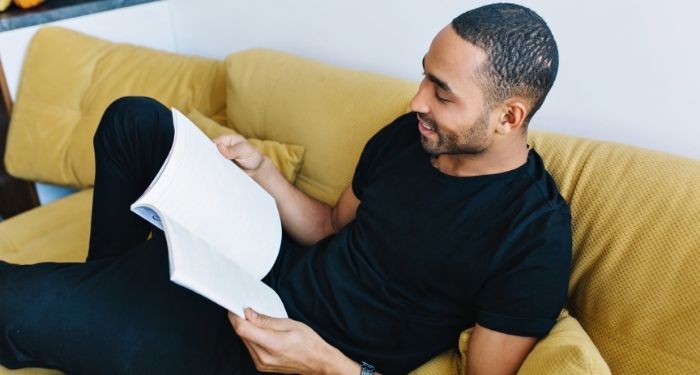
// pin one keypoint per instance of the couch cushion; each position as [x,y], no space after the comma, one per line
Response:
[29,371]
[634,282]
[55,232]
[67,81]
[330,111]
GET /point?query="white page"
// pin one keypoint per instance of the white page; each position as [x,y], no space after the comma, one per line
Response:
[196,265]
[215,200]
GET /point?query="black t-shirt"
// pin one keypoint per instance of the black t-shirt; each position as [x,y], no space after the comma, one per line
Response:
[429,255]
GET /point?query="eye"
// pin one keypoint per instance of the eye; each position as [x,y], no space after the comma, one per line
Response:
[441,99]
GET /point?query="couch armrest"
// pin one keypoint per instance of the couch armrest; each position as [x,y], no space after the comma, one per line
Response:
[16,196]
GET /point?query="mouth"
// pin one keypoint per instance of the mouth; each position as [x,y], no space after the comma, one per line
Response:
[424,128]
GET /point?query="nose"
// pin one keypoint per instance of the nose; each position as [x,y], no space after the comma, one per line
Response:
[418,103]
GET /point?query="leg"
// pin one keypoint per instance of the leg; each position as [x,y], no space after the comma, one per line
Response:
[131,142]
[118,315]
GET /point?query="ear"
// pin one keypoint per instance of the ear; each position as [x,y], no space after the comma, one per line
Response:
[512,116]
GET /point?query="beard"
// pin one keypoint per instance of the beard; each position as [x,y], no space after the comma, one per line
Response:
[470,141]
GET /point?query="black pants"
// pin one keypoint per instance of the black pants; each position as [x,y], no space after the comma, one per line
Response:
[118,312]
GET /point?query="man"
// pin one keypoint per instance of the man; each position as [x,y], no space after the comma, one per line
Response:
[451,221]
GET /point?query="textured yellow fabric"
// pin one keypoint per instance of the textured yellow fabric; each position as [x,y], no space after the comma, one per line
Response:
[29,371]
[55,232]
[635,281]
[287,158]
[67,81]
[566,350]
[445,363]
[330,111]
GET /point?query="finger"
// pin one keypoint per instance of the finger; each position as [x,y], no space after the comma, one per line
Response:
[260,355]
[242,150]
[266,338]
[268,322]
[224,150]
[236,322]
[244,328]
[228,139]
[238,152]
[235,319]
[254,351]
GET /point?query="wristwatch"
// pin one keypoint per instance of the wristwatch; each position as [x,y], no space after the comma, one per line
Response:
[366,369]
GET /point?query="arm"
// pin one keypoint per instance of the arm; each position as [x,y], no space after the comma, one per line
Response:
[493,352]
[288,346]
[304,218]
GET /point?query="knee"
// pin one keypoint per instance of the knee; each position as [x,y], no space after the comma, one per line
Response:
[140,114]
[131,104]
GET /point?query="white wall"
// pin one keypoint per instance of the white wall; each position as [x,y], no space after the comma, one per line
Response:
[147,24]
[627,68]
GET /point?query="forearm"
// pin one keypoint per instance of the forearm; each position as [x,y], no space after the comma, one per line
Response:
[304,218]
[338,364]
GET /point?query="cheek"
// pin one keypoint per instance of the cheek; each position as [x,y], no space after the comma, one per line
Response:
[453,120]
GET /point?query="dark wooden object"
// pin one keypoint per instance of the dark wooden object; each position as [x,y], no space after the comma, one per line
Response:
[16,195]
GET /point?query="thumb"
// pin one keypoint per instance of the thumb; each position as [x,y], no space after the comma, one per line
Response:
[268,322]
[225,150]
[235,151]
[238,151]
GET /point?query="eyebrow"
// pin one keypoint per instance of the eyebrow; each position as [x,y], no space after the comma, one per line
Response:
[437,81]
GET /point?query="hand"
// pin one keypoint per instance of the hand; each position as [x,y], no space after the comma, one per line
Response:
[235,147]
[288,346]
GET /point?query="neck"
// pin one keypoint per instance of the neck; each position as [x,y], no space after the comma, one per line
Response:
[497,158]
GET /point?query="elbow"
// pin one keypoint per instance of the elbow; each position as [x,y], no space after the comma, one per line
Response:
[328,227]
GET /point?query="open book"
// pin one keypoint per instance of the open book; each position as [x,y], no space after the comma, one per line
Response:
[223,229]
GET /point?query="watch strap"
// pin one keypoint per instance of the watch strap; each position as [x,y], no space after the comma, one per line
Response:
[366,369]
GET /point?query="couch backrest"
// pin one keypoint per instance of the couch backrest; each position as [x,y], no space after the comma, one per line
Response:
[330,111]
[635,282]
[67,81]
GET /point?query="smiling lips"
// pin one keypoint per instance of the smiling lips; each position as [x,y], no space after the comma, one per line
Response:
[424,128]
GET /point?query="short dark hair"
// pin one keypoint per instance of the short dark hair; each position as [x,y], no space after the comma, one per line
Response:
[522,56]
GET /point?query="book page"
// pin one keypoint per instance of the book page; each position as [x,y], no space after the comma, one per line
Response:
[215,200]
[197,265]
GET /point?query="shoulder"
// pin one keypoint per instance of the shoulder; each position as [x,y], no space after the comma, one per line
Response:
[540,190]
[541,223]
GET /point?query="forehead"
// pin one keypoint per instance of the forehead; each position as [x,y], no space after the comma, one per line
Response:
[454,60]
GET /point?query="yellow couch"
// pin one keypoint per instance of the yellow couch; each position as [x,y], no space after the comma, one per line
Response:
[633,292]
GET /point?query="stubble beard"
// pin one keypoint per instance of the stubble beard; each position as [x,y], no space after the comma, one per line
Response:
[471,141]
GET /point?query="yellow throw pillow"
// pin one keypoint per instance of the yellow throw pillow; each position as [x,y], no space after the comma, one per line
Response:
[287,158]
[566,350]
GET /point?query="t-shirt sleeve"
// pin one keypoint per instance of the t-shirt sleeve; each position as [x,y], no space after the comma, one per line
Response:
[525,293]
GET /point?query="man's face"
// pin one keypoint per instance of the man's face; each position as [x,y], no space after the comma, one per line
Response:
[450,102]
